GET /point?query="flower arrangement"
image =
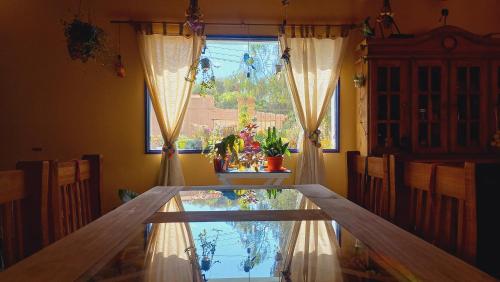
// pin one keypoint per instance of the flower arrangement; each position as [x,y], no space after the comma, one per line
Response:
[240,150]
[218,152]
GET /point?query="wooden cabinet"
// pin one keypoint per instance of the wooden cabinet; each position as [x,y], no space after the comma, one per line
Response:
[435,93]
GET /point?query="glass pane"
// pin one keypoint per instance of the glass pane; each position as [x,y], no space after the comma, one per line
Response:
[436,107]
[498,111]
[253,251]
[462,134]
[395,134]
[474,106]
[436,79]
[381,134]
[498,78]
[229,94]
[422,107]
[382,79]
[395,79]
[422,135]
[474,133]
[435,135]
[462,107]
[241,199]
[382,107]
[475,79]
[423,79]
[395,107]
[462,80]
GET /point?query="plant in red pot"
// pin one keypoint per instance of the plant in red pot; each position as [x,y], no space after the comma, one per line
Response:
[274,149]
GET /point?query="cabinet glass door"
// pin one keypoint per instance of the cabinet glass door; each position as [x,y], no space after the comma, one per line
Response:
[469,108]
[494,136]
[389,97]
[429,100]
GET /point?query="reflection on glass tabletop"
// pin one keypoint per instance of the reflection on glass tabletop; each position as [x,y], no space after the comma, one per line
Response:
[245,251]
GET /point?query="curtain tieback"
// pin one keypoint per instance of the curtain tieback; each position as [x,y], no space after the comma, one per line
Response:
[169,149]
[314,138]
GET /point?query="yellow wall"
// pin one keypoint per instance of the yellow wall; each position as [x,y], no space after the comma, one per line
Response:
[69,108]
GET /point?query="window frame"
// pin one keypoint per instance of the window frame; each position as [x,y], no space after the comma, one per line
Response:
[148,111]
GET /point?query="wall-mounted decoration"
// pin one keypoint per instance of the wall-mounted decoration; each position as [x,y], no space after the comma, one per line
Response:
[359,80]
[444,16]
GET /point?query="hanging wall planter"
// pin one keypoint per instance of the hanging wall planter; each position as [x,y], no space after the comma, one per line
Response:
[84,40]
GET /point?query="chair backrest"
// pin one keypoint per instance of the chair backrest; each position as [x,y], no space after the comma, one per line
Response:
[442,206]
[356,180]
[368,184]
[75,194]
[23,211]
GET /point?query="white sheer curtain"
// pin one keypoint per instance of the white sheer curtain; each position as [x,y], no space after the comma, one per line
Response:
[312,72]
[312,252]
[167,258]
[168,63]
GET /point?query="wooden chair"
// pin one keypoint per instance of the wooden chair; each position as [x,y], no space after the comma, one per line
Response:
[356,180]
[23,210]
[368,184]
[75,194]
[441,206]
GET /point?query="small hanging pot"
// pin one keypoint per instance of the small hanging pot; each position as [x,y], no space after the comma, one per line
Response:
[205,263]
[205,64]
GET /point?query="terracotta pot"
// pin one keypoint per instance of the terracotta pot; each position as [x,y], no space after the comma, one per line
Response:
[274,163]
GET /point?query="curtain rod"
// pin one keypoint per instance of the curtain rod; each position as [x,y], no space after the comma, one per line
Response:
[352,26]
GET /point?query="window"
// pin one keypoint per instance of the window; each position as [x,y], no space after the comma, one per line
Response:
[243,81]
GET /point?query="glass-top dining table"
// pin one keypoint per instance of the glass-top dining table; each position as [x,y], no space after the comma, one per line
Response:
[242,233]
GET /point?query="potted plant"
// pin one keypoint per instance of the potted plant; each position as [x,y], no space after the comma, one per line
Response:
[274,149]
[222,151]
[84,40]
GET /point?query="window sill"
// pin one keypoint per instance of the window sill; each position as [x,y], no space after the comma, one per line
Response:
[188,152]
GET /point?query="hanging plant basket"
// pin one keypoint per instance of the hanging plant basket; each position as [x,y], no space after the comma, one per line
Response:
[84,40]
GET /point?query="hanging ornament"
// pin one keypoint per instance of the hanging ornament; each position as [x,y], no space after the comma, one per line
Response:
[286,55]
[207,76]
[248,60]
[119,67]
[444,15]
[278,68]
[386,18]
[205,64]
[194,17]
[366,29]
